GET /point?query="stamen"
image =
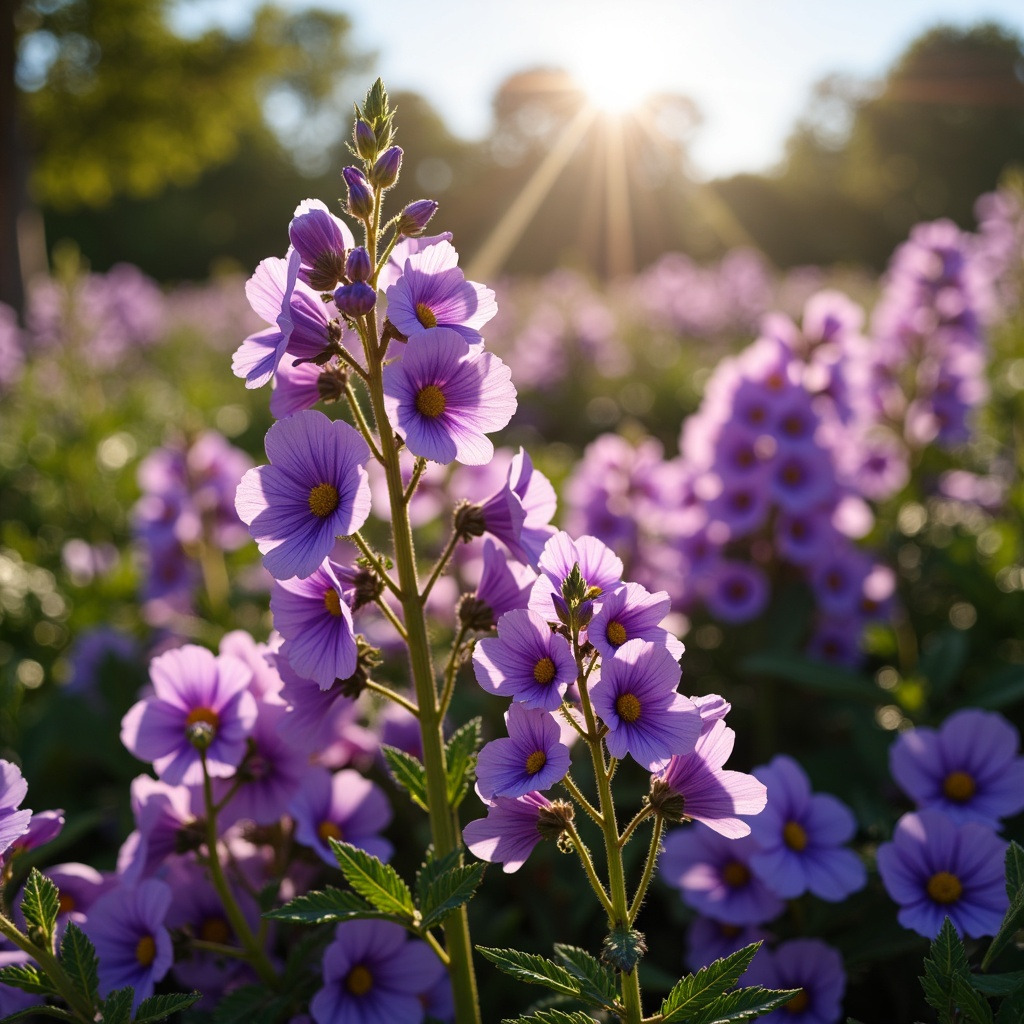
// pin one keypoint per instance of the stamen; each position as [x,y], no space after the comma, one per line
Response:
[798,1003]
[735,874]
[328,830]
[430,401]
[794,836]
[535,762]
[544,671]
[359,980]
[616,634]
[959,786]
[206,715]
[215,929]
[332,602]
[425,315]
[627,707]
[944,887]
[323,500]
[145,950]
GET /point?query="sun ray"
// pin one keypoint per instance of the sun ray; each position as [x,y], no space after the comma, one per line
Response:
[619,237]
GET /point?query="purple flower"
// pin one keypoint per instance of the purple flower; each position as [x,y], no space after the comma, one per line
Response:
[526,661]
[296,387]
[14,823]
[531,757]
[539,503]
[433,292]
[192,689]
[503,585]
[710,794]
[600,567]
[714,877]
[127,928]
[165,820]
[321,240]
[360,198]
[800,836]
[636,698]
[342,806]
[509,832]
[737,592]
[314,617]
[969,768]
[315,489]
[934,869]
[416,216]
[630,613]
[709,940]
[443,398]
[810,966]
[373,972]
[44,827]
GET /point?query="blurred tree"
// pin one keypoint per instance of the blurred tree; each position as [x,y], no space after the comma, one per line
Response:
[114,102]
[871,161]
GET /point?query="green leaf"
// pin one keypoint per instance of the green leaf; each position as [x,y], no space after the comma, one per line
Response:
[945,962]
[812,675]
[943,659]
[40,904]
[696,991]
[327,906]
[1012,1009]
[79,960]
[596,981]
[973,1006]
[31,1012]
[440,894]
[552,1017]
[998,984]
[1014,919]
[28,978]
[742,1004]
[242,1006]
[535,970]
[460,756]
[159,1007]
[117,1007]
[376,882]
[409,773]
[1003,688]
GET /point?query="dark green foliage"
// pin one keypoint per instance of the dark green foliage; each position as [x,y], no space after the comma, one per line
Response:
[157,1008]
[443,886]
[408,772]
[1014,919]
[460,755]
[40,905]
[697,991]
[379,884]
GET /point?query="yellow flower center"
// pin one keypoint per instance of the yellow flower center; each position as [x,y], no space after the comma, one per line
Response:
[628,707]
[735,874]
[65,903]
[207,715]
[797,1003]
[359,980]
[215,929]
[535,762]
[544,671]
[794,836]
[328,830]
[332,602]
[430,401]
[425,315]
[616,633]
[959,786]
[323,500]
[944,887]
[145,950]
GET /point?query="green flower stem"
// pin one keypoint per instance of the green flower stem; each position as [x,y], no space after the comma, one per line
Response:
[619,917]
[360,421]
[452,670]
[652,859]
[45,958]
[378,565]
[393,619]
[577,795]
[417,472]
[442,564]
[588,866]
[385,691]
[641,815]
[256,954]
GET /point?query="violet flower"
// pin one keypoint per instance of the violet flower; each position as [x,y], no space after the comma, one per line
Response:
[531,757]
[809,965]
[509,833]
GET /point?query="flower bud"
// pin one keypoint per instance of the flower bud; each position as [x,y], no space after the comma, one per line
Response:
[415,217]
[385,171]
[360,198]
[475,614]
[357,266]
[330,385]
[355,299]
[365,140]
[554,820]
[666,801]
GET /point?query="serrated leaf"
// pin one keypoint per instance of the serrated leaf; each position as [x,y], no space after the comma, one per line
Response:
[534,970]
[812,675]
[240,1006]
[326,906]
[448,891]
[973,1006]
[945,962]
[552,1017]
[460,757]
[741,1005]
[28,978]
[1013,920]
[409,773]
[160,1007]
[696,991]
[40,903]
[596,980]
[117,1007]
[31,1012]
[998,984]
[79,960]
[378,883]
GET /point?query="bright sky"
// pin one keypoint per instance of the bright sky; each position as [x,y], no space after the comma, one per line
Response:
[749,64]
